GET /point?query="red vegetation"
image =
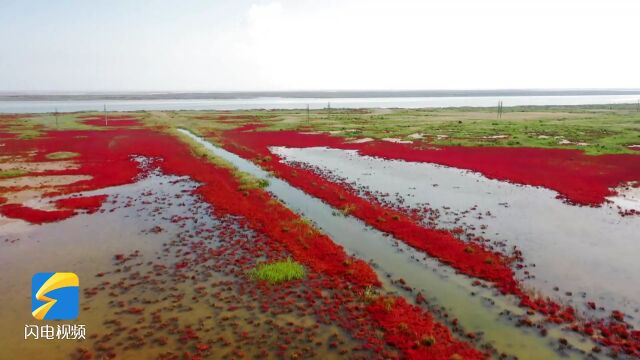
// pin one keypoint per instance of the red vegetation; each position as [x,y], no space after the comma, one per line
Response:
[307,246]
[89,203]
[265,215]
[106,156]
[579,178]
[35,216]
[7,135]
[409,331]
[135,310]
[468,258]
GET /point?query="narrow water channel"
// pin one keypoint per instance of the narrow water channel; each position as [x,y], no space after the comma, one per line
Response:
[479,310]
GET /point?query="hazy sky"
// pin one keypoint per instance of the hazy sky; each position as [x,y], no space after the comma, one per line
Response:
[305,44]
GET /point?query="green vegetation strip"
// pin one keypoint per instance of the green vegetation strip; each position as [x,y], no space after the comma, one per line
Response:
[12,173]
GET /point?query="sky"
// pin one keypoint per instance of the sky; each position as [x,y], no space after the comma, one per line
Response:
[200,45]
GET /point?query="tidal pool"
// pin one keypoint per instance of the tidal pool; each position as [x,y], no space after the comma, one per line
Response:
[580,253]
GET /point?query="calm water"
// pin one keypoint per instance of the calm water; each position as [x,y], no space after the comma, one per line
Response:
[299,103]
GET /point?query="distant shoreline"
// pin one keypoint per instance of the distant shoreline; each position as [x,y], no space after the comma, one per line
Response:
[229,95]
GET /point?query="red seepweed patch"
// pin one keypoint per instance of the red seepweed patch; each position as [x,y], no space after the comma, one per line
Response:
[7,135]
[591,178]
[409,330]
[104,155]
[469,258]
[34,216]
[89,203]
[579,178]
[261,213]
[107,157]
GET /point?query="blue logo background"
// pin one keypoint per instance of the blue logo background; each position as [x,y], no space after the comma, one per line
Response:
[67,306]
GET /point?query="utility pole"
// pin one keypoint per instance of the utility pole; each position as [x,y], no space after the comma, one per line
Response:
[106,122]
[329,111]
[308,114]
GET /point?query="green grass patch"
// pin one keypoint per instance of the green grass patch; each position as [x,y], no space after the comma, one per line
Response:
[62,155]
[26,134]
[596,129]
[279,271]
[248,182]
[12,173]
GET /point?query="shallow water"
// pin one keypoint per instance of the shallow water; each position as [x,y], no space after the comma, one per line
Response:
[86,245]
[588,251]
[301,103]
[483,312]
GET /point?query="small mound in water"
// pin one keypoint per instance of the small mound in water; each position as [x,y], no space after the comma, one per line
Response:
[279,271]
[62,155]
[12,173]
